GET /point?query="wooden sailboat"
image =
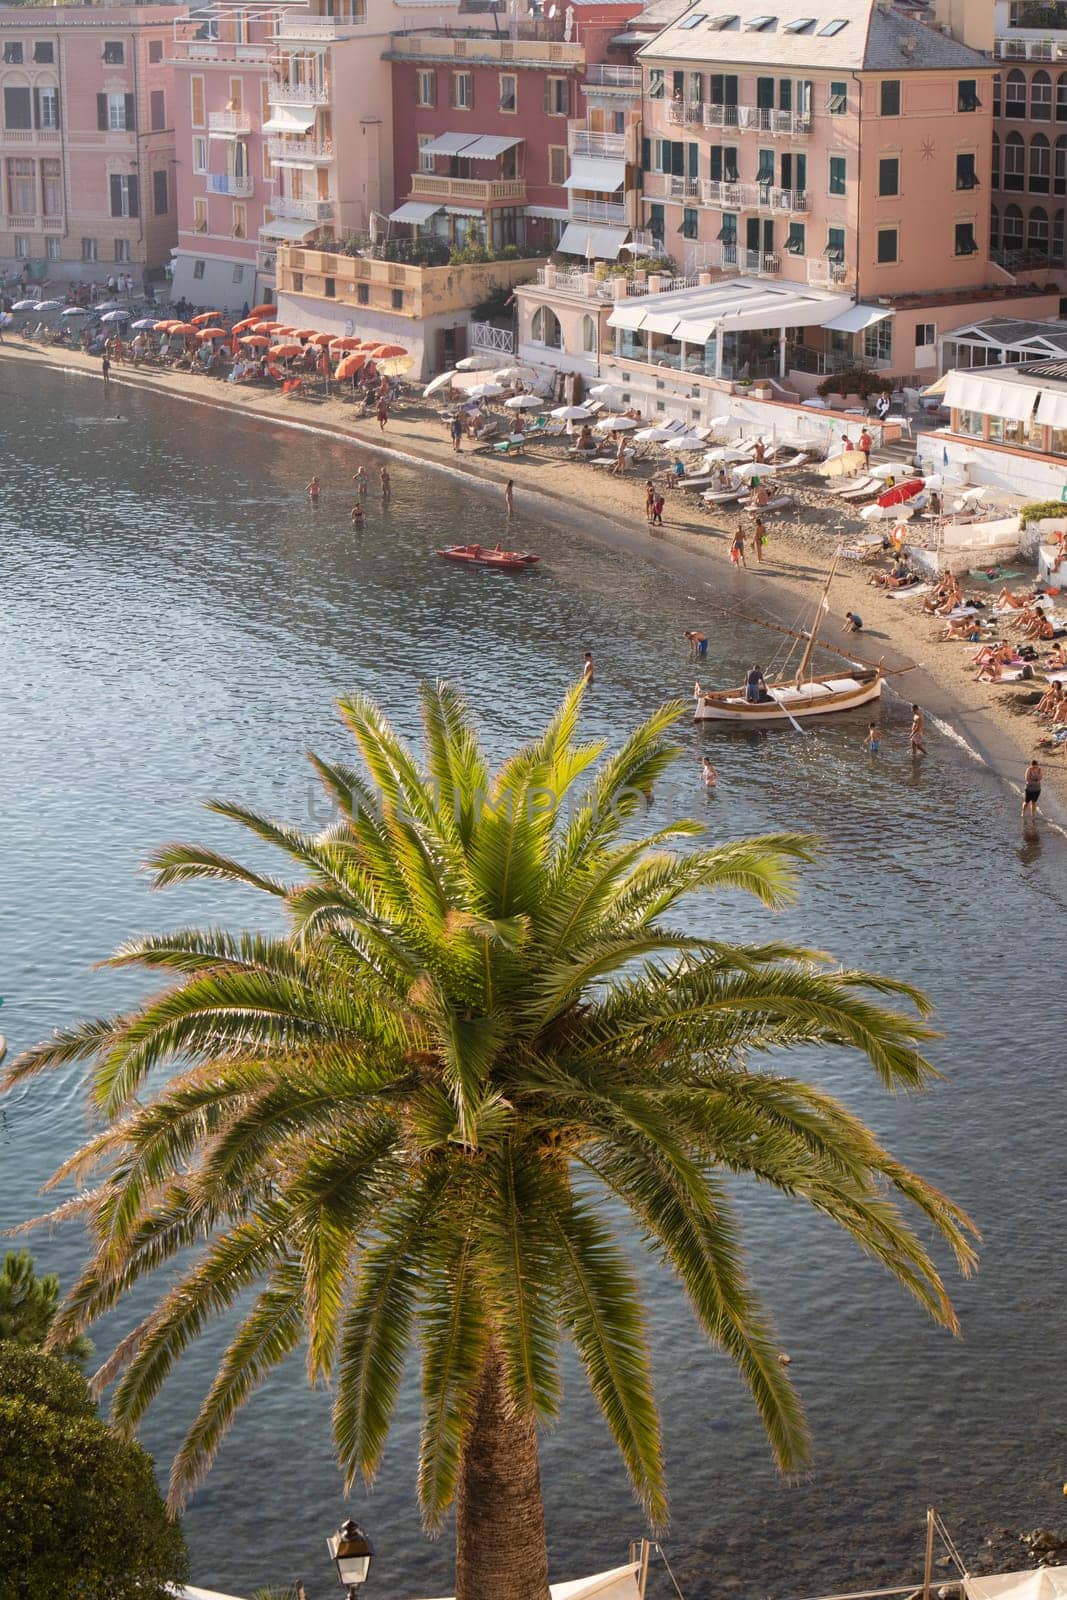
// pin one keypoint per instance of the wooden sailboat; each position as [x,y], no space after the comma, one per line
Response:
[806,694]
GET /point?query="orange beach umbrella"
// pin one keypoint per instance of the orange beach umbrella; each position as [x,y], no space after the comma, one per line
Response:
[350,365]
[347,343]
[256,341]
[384,350]
[284,351]
[263,311]
[243,327]
[265,327]
[305,333]
[181,327]
[205,316]
[322,339]
[211,333]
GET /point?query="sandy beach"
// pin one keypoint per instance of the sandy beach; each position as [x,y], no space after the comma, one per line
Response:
[994,721]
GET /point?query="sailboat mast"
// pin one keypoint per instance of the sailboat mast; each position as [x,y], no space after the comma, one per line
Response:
[805,660]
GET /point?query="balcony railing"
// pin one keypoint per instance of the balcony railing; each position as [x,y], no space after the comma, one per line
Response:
[282,93]
[303,210]
[1030,49]
[229,122]
[579,281]
[29,135]
[760,118]
[426,186]
[752,196]
[297,25]
[685,111]
[485,336]
[598,211]
[229,183]
[285,150]
[217,50]
[21,224]
[824,274]
[600,76]
[583,142]
[751,263]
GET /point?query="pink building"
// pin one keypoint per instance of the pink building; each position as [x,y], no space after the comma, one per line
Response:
[87,140]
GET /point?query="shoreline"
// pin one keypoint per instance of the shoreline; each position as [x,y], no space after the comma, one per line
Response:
[690,546]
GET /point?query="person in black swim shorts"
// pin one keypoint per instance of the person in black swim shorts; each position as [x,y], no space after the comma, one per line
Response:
[1031,790]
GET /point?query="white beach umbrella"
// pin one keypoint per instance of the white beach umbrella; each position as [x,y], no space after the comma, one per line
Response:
[481,361]
[687,441]
[73,311]
[887,469]
[48,305]
[515,375]
[726,453]
[934,481]
[444,381]
[108,305]
[24,305]
[605,391]
[145,325]
[654,435]
[572,413]
[524,402]
[116,316]
[485,391]
[616,424]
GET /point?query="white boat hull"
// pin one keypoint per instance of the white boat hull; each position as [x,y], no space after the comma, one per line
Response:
[818,697]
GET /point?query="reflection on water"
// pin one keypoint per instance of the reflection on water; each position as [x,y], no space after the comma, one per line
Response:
[177,622]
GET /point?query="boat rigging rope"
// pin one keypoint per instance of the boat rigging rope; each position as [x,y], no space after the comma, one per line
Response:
[670,1571]
[946,1539]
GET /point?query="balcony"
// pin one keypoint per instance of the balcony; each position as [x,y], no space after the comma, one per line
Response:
[619,80]
[684,112]
[1030,49]
[760,118]
[751,263]
[29,135]
[22,224]
[229,122]
[824,274]
[218,50]
[299,26]
[752,196]
[280,92]
[286,150]
[302,210]
[495,191]
[229,183]
[598,211]
[582,142]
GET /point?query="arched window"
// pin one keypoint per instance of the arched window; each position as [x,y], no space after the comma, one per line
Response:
[1012,236]
[997,92]
[1061,97]
[994,176]
[1059,165]
[1037,231]
[1014,162]
[546,329]
[994,228]
[1015,95]
[1041,97]
[1040,164]
[1057,237]
[589,336]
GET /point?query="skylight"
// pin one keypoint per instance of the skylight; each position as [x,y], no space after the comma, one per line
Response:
[828,29]
[719,23]
[758,24]
[799,25]
[693,22]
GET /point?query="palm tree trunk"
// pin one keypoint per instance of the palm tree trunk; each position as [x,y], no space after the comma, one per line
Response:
[501,1552]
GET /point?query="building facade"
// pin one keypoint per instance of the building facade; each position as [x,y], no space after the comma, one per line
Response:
[87,140]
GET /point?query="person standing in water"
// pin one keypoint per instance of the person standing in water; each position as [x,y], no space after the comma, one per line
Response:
[313,489]
[588,670]
[918,732]
[708,773]
[873,742]
[359,478]
[357,515]
[386,482]
[1031,790]
[509,497]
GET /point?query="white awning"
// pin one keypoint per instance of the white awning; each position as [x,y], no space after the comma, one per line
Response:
[630,317]
[592,172]
[286,228]
[856,318]
[489,146]
[414,211]
[970,391]
[549,213]
[1052,408]
[597,244]
[289,119]
[660,322]
[696,332]
[464,211]
[226,133]
[728,306]
[301,165]
[448,144]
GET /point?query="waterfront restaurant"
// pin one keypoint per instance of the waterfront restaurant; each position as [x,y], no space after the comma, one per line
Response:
[1009,428]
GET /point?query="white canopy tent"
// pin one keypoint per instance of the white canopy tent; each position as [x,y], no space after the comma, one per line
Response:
[1046,1583]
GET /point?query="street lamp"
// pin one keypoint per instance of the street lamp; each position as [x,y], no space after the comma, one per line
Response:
[351,1551]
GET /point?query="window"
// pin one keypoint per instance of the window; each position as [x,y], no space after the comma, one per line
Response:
[723,168]
[160,198]
[545,328]
[1014,162]
[837,102]
[717,24]
[115,113]
[198,268]
[889,175]
[994,176]
[199,153]
[363,293]
[1059,166]
[1012,238]
[122,249]
[196,101]
[264,102]
[236,101]
[125,200]
[52,188]
[1041,97]
[17,110]
[1061,97]
[994,228]
[329,288]
[966,244]
[878,341]
[12,53]
[765,169]
[557,164]
[887,246]
[426,87]
[589,335]
[425,159]
[199,216]
[89,250]
[829,29]
[44,52]
[46,107]
[765,94]
[967,95]
[509,92]
[758,24]
[656,224]
[1037,231]
[268,170]
[155,52]
[51,248]
[462,91]
[157,113]
[925,334]
[655,83]
[557,97]
[1040,164]
[397,297]
[114,53]
[239,222]
[998,93]
[22,247]
[727,234]
[21,186]
[795,239]
[890,98]
[799,25]
[966,177]
[690,223]
[1015,94]
[837,174]
[298,280]
[835,245]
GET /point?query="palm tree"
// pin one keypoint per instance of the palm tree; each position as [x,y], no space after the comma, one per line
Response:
[398,1120]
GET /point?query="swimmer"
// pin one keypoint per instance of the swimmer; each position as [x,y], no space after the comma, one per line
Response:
[708,773]
[387,487]
[357,515]
[588,670]
[359,478]
[313,489]
[873,742]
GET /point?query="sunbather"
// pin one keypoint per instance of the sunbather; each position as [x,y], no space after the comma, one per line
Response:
[967,628]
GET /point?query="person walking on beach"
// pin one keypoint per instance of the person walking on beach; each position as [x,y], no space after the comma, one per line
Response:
[650,498]
[866,442]
[1031,789]
[620,458]
[313,489]
[657,510]
[588,670]
[873,742]
[918,732]
[105,368]
[759,539]
[386,483]
[509,497]
[383,414]
[456,429]
[737,549]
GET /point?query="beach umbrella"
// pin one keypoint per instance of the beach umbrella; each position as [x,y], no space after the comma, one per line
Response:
[179,327]
[515,375]
[351,364]
[268,327]
[285,351]
[24,305]
[386,350]
[604,391]
[524,402]
[485,391]
[255,341]
[654,435]
[393,366]
[305,334]
[263,311]
[572,413]
[245,326]
[616,424]
[481,361]
[48,305]
[211,333]
[116,316]
[146,325]
[687,441]
[725,454]
[76,311]
[442,381]
[203,317]
[322,339]
[348,343]
[108,305]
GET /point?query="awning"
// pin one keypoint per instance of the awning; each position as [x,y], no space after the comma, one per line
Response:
[285,228]
[464,211]
[549,213]
[969,391]
[598,244]
[290,119]
[414,211]
[301,165]
[226,133]
[697,332]
[1047,1583]
[1052,408]
[628,317]
[489,146]
[592,172]
[856,318]
[448,144]
[660,322]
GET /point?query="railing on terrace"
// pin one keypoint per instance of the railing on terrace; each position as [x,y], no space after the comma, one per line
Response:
[685,111]
[575,280]
[761,118]
[484,336]
[229,122]
[760,263]
[302,210]
[427,45]
[427,186]
[217,50]
[752,196]
[29,135]
[229,183]
[584,142]
[824,274]
[299,25]
[598,211]
[283,150]
[1030,49]
[280,92]
[601,76]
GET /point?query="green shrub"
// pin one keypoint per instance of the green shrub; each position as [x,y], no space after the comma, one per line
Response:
[855,380]
[1038,510]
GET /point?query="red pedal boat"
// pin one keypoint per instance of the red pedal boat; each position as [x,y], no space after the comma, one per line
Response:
[477,555]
